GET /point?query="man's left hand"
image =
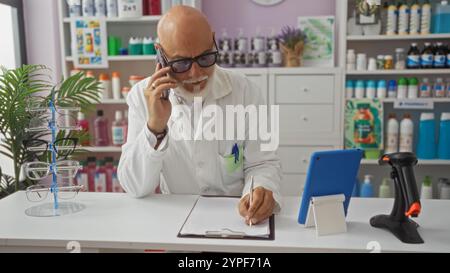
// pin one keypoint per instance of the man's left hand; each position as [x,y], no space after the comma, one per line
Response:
[261,208]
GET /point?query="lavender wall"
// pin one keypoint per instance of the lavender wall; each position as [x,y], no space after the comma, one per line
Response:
[233,14]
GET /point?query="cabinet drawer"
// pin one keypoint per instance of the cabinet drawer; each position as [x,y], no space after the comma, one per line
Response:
[304,89]
[306,119]
[261,82]
[292,184]
[296,159]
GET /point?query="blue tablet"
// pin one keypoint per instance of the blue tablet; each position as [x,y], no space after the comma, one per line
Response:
[330,173]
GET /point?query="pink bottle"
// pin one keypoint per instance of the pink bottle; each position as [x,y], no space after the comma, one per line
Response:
[101,130]
[109,170]
[100,177]
[84,124]
[90,170]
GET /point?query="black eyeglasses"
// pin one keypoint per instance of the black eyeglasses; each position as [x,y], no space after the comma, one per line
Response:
[204,60]
[64,147]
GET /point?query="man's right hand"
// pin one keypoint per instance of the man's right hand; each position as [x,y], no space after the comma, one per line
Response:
[159,109]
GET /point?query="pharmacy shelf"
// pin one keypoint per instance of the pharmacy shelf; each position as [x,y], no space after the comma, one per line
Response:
[126,58]
[363,38]
[421,162]
[142,19]
[400,72]
[393,100]
[112,101]
[107,149]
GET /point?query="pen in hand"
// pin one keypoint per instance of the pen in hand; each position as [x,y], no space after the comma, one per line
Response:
[251,196]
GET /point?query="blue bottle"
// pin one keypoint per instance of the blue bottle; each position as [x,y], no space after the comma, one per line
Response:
[441,18]
[444,137]
[367,187]
[426,147]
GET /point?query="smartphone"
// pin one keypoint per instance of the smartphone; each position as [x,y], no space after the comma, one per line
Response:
[163,63]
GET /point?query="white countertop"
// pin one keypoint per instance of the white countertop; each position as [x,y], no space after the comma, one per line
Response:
[116,221]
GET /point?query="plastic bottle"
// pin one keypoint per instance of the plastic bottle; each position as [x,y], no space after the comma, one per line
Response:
[74,8]
[400,59]
[109,170]
[392,15]
[115,181]
[425,88]
[275,57]
[413,59]
[91,169]
[413,88]
[367,187]
[439,88]
[88,8]
[116,86]
[426,146]
[240,58]
[448,87]
[100,177]
[381,89]
[392,134]
[427,56]
[82,176]
[414,21]
[112,8]
[406,134]
[84,125]
[148,46]
[351,60]
[385,189]
[403,19]
[359,89]
[371,89]
[105,85]
[101,130]
[392,89]
[349,89]
[427,189]
[402,90]
[441,18]
[100,8]
[118,130]
[444,137]
[425,25]
[440,58]
[388,62]
[444,188]
[384,18]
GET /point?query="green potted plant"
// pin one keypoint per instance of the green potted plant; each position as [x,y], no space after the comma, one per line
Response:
[17,86]
[292,43]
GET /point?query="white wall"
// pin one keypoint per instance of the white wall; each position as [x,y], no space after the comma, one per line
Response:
[42,34]
[10,53]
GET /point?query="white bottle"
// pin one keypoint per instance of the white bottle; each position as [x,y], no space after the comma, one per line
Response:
[406,134]
[385,189]
[112,8]
[360,89]
[402,89]
[426,192]
[105,84]
[100,8]
[392,16]
[392,135]
[413,88]
[426,19]
[116,89]
[371,90]
[403,19]
[414,22]
[361,62]
[351,60]
[381,89]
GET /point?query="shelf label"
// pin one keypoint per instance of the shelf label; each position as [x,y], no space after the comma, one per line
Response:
[414,104]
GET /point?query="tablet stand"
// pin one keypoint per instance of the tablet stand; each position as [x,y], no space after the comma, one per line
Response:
[327,214]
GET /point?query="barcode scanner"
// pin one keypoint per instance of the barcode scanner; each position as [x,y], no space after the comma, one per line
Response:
[407,200]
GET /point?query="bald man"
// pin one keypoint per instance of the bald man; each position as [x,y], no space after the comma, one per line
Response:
[158,155]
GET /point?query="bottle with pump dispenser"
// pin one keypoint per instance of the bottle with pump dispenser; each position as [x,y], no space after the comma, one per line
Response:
[367,187]
[427,189]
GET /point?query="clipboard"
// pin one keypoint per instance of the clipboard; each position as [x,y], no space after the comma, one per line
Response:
[226,233]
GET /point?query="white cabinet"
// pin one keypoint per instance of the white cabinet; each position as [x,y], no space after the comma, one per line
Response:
[310,101]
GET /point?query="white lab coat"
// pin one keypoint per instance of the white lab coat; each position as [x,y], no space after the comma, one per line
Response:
[195,167]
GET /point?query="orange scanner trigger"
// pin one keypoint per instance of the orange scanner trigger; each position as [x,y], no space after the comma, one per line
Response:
[414,210]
